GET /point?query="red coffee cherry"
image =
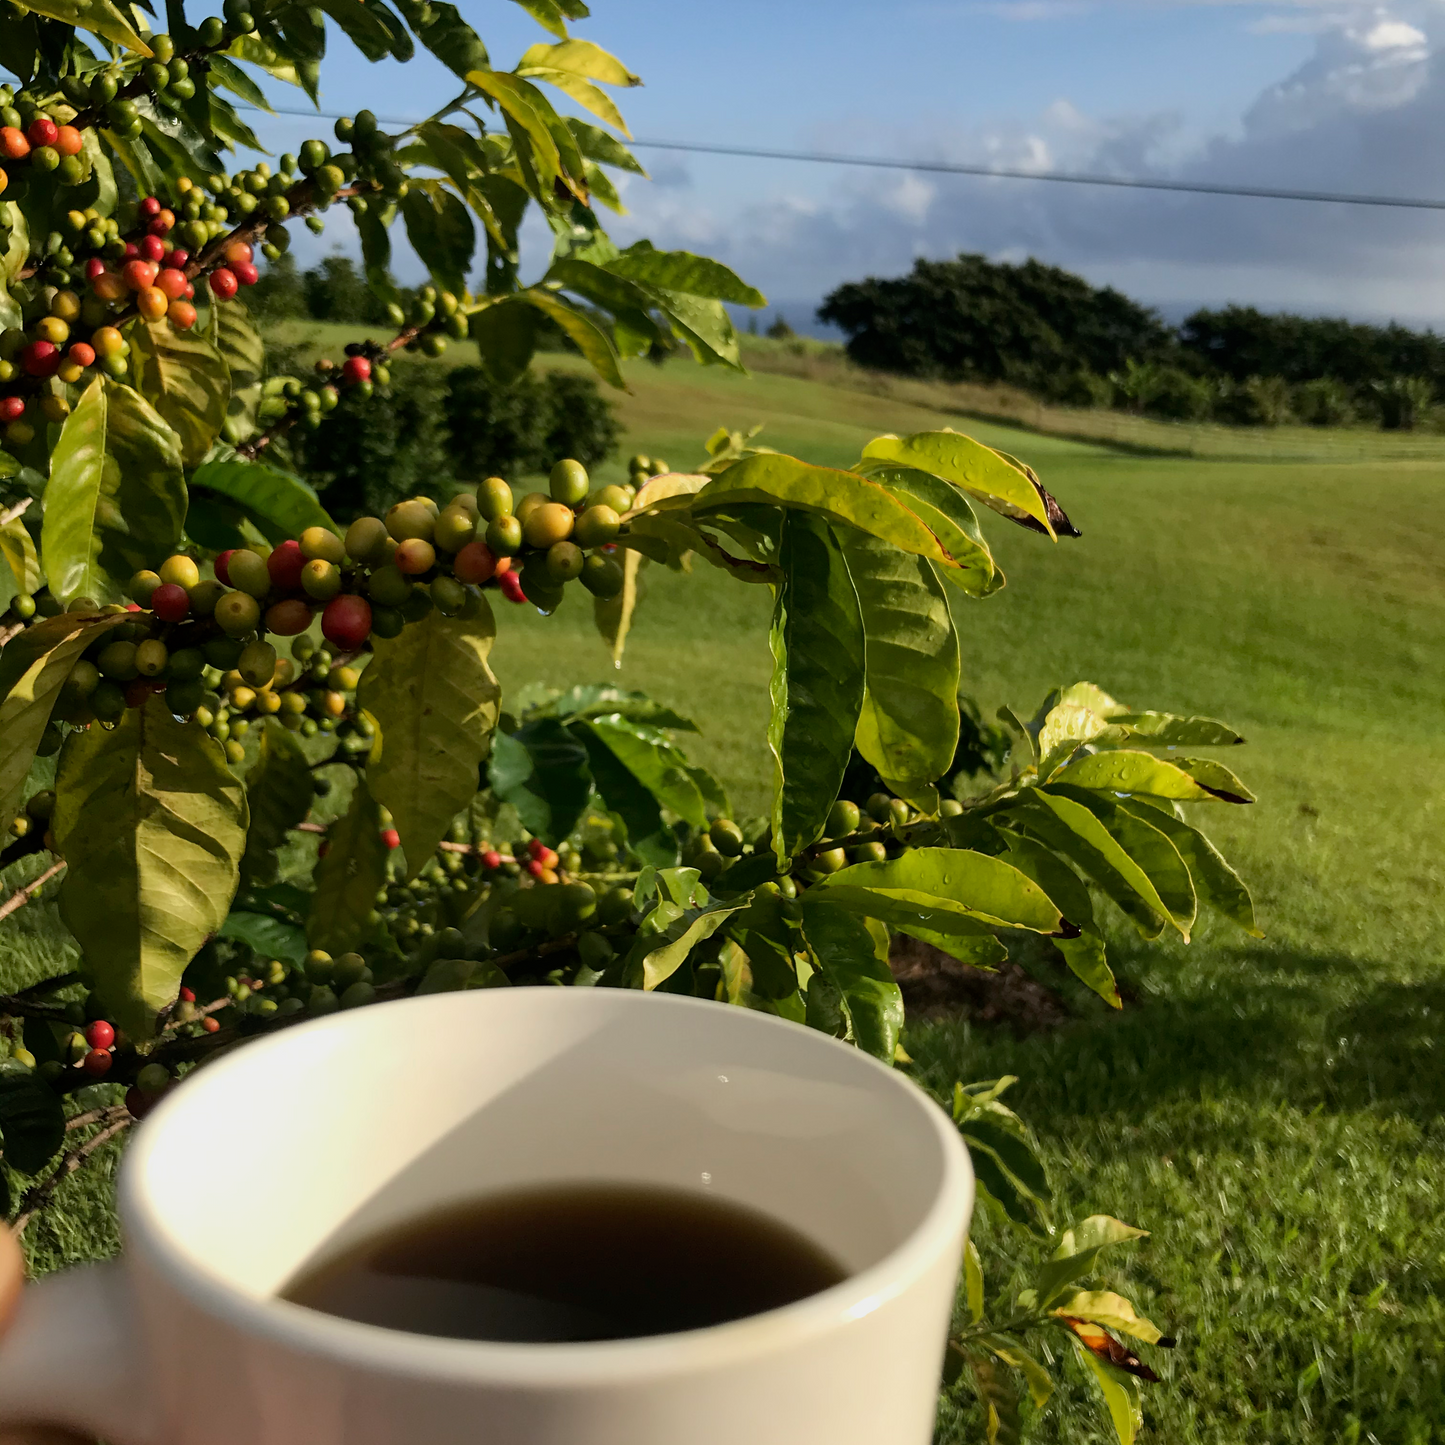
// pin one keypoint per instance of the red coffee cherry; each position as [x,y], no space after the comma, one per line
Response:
[346,622]
[223,283]
[96,1063]
[357,369]
[42,131]
[100,1035]
[391,837]
[285,564]
[170,603]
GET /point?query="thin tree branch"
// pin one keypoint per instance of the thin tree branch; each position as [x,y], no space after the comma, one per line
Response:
[22,896]
[35,1198]
[97,1116]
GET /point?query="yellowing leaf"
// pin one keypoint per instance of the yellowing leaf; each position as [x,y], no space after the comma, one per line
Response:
[36,664]
[435,702]
[116,499]
[347,877]
[184,377]
[1113,1311]
[152,824]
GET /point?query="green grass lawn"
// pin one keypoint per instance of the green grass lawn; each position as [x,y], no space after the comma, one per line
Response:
[1270,1109]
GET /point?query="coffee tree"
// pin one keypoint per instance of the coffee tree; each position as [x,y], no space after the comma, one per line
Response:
[267,757]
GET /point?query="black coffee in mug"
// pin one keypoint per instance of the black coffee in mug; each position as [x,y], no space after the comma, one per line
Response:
[570,1263]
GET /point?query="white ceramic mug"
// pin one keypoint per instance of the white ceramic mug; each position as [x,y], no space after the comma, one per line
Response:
[299,1145]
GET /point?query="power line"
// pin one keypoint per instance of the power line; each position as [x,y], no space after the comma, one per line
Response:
[952,168]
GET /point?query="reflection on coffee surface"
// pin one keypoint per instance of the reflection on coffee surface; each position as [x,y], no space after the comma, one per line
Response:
[570,1263]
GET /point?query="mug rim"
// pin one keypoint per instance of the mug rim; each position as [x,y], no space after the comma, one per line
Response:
[557,1366]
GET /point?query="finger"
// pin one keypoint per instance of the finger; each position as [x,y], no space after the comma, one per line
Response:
[12,1278]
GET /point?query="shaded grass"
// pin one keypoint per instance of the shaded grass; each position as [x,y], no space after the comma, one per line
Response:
[1271,1109]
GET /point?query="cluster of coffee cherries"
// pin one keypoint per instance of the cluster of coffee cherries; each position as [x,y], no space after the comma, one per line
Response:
[42,142]
[869,833]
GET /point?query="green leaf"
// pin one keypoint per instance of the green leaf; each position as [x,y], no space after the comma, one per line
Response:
[603,700]
[973,1281]
[1216,779]
[1066,728]
[844,498]
[442,30]
[817,682]
[1000,1401]
[1121,1394]
[100,17]
[116,499]
[979,470]
[506,337]
[1011,1353]
[1070,828]
[1132,772]
[594,343]
[771,941]
[528,116]
[372,228]
[946,512]
[279,793]
[547,13]
[655,763]
[598,146]
[242,349]
[844,950]
[647,835]
[704,325]
[266,936]
[33,668]
[1165,729]
[348,876]
[939,887]
[282,504]
[976,946]
[1215,882]
[682,271]
[441,233]
[32,1121]
[613,616]
[1112,1311]
[1089,963]
[452,975]
[435,702]
[1150,849]
[152,823]
[659,964]
[371,27]
[183,376]
[1077,1253]
[17,551]
[908,726]
[577,57]
[542,771]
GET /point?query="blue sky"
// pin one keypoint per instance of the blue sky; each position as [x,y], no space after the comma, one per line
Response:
[1316,93]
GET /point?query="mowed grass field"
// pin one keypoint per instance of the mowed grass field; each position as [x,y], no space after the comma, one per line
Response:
[1270,1110]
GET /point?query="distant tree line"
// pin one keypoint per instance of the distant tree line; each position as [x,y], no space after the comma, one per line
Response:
[1050,332]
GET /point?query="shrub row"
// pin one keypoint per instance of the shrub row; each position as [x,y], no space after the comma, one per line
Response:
[430,430]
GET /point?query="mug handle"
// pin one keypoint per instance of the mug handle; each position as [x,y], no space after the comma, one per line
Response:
[71,1357]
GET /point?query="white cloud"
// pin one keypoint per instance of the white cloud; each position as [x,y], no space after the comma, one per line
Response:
[1364,114]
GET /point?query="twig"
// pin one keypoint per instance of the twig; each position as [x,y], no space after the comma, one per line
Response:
[36,1197]
[311,828]
[22,896]
[96,1116]
[49,985]
[18,510]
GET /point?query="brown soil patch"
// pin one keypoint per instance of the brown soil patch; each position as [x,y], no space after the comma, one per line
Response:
[937,986]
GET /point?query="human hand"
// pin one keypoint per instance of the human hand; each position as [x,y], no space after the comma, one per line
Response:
[12,1281]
